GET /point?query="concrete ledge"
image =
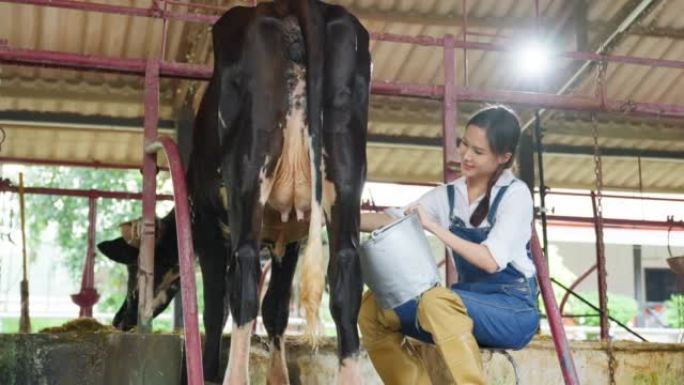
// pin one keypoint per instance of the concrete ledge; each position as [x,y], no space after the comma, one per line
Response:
[89,359]
[114,358]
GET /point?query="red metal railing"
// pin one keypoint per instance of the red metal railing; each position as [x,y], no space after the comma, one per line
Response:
[193,350]
[152,144]
[88,295]
[200,72]
[70,163]
[560,340]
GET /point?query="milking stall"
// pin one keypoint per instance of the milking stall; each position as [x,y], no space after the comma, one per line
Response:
[102,279]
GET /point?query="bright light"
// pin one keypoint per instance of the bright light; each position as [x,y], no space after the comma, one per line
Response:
[532,59]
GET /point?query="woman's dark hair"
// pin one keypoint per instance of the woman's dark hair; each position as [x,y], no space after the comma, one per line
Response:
[502,128]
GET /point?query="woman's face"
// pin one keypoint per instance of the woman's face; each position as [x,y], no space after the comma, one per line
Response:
[477,158]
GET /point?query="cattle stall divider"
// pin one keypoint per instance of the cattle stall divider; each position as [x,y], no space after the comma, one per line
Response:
[151,145]
[87,290]
[449,94]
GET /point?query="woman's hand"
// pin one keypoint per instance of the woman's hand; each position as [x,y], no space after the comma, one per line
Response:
[425,220]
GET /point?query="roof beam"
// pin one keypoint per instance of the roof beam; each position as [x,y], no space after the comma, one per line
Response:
[63,119]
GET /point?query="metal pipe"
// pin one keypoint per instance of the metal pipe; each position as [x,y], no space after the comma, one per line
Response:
[119,10]
[71,163]
[641,197]
[88,295]
[200,72]
[577,281]
[465,40]
[81,193]
[542,185]
[197,5]
[165,31]
[450,161]
[186,254]
[573,221]
[419,40]
[560,220]
[146,256]
[380,87]
[567,364]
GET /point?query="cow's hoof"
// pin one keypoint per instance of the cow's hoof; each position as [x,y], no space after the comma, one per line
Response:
[350,372]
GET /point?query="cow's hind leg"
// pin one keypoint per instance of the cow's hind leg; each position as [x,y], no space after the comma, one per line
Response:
[213,252]
[247,169]
[275,311]
[344,134]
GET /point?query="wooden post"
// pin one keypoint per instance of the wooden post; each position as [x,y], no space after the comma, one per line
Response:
[24,320]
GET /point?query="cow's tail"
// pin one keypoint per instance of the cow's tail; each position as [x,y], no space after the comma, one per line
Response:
[310,18]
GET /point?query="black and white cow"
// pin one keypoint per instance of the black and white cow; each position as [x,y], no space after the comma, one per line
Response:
[278,150]
[282,131]
[125,250]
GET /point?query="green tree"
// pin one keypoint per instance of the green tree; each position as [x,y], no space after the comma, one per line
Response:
[620,307]
[67,219]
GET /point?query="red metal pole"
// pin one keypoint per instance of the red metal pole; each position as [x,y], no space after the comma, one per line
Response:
[449,115]
[200,72]
[559,220]
[380,87]
[560,340]
[69,163]
[146,256]
[465,40]
[165,30]
[602,273]
[419,40]
[189,5]
[579,280]
[640,197]
[186,254]
[119,10]
[81,193]
[88,296]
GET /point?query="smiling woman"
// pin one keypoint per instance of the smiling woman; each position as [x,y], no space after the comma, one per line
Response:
[485,219]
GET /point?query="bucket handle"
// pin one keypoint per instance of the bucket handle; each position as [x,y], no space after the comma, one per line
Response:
[378,232]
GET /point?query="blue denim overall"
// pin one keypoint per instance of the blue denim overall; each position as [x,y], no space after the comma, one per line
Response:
[502,305]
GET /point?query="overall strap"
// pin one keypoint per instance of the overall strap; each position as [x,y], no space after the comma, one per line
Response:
[495,205]
[450,195]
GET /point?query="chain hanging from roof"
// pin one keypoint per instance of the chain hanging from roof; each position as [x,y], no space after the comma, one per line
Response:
[3,136]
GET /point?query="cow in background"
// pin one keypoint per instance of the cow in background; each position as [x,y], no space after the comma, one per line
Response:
[125,250]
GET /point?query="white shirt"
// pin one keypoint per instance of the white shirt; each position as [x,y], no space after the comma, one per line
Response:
[512,230]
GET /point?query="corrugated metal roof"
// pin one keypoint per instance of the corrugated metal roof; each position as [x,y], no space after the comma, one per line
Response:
[658,35]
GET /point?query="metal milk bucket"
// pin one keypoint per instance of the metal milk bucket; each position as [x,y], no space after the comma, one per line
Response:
[397,263]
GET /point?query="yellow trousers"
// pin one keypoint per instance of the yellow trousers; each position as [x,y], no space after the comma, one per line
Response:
[441,313]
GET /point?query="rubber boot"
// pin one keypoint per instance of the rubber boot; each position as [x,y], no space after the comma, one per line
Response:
[441,312]
[395,363]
